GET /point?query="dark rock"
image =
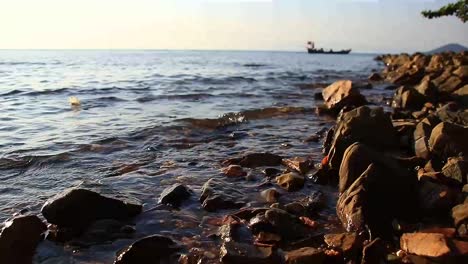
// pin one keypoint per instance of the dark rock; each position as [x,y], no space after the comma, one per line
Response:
[435,198]
[421,136]
[375,77]
[341,94]
[288,226]
[235,231]
[291,181]
[102,231]
[461,95]
[239,253]
[152,249]
[349,244]
[407,75]
[255,160]
[175,195]
[234,171]
[457,169]
[305,255]
[425,244]
[371,127]
[374,252]
[19,239]
[299,164]
[295,208]
[271,172]
[270,195]
[408,98]
[448,140]
[451,112]
[428,89]
[218,194]
[77,208]
[318,96]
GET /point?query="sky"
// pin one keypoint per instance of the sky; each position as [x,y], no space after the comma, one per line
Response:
[363,25]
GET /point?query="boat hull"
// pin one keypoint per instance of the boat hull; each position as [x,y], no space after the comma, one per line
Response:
[314,51]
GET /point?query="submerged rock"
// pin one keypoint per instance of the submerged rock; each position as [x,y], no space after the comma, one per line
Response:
[19,239]
[175,195]
[77,208]
[291,181]
[255,160]
[152,249]
[218,194]
[342,94]
[305,255]
[234,171]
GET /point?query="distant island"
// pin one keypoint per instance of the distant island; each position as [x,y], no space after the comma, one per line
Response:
[449,47]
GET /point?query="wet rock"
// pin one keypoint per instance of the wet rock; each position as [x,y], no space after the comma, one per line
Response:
[235,231]
[103,231]
[233,252]
[374,252]
[175,195]
[448,140]
[268,238]
[425,244]
[371,127]
[295,208]
[314,202]
[375,77]
[152,249]
[77,208]
[19,239]
[234,171]
[450,85]
[288,226]
[305,255]
[299,164]
[271,172]
[291,181]
[341,94]
[408,98]
[255,160]
[347,243]
[460,219]
[218,194]
[457,169]
[270,195]
[435,198]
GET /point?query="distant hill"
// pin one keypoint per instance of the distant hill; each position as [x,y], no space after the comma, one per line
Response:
[449,47]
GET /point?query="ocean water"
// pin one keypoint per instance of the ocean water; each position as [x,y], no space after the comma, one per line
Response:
[148,119]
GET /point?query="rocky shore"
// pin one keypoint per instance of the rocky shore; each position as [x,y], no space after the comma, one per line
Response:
[402,178]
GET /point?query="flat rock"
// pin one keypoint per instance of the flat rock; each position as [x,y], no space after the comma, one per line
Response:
[78,208]
[255,160]
[348,243]
[299,164]
[305,255]
[175,195]
[19,239]
[291,181]
[234,171]
[218,194]
[425,244]
[448,140]
[342,94]
[152,249]
[234,252]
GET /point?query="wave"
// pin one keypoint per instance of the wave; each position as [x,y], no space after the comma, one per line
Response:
[215,81]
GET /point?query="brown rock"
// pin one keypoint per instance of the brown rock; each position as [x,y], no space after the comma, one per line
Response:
[270,195]
[234,171]
[255,160]
[291,181]
[299,164]
[218,194]
[448,140]
[341,94]
[233,252]
[348,243]
[428,89]
[461,95]
[305,255]
[450,85]
[152,249]
[460,214]
[374,252]
[425,244]
[462,72]
[435,198]
[19,239]
[408,98]
[457,169]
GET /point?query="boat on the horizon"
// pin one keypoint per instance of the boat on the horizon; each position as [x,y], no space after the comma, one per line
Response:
[312,50]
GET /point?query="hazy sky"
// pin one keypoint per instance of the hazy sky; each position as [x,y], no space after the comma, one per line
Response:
[364,25]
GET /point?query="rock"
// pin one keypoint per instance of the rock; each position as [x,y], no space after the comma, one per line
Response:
[462,72]
[407,75]
[450,85]
[77,208]
[234,171]
[374,252]
[305,255]
[435,198]
[271,172]
[371,127]
[408,98]
[235,231]
[421,136]
[288,226]
[218,194]
[460,219]
[102,231]
[341,94]
[452,113]
[152,249]
[295,208]
[375,77]
[428,89]
[356,159]
[347,243]
[291,181]
[425,244]
[299,164]
[175,195]
[461,95]
[19,239]
[255,160]
[457,169]
[448,140]
[270,195]
[233,252]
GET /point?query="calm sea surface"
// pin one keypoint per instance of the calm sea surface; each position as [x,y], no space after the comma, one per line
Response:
[148,119]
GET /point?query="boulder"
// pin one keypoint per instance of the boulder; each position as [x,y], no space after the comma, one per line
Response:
[453,113]
[270,195]
[19,239]
[77,208]
[448,140]
[460,219]
[407,74]
[234,252]
[461,95]
[421,136]
[305,255]
[425,244]
[370,126]
[408,98]
[218,194]
[428,89]
[342,94]
[349,244]
[450,85]
[462,72]
[374,252]
[457,169]
[152,249]
[291,181]
[234,171]
[255,160]
[299,164]
[435,198]
[175,195]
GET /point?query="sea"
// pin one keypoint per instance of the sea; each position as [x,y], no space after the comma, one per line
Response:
[150,118]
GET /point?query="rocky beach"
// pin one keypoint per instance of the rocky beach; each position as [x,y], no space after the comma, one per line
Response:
[373,170]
